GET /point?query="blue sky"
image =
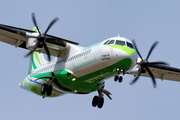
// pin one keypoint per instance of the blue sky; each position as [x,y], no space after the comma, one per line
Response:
[89,22]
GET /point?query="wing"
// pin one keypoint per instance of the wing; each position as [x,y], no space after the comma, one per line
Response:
[18,37]
[164,72]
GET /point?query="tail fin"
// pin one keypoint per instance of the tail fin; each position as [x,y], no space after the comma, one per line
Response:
[36,60]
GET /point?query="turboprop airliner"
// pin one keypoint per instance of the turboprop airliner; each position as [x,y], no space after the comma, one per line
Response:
[81,70]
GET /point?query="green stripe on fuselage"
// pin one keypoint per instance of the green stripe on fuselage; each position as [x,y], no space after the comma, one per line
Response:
[37,57]
[32,62]
[90,82]
[126,49]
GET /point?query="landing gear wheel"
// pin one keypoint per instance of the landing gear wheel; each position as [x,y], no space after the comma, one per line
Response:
[101,102]
[120,79]
[95,101]
[49,90]
[44,88]
[115,78]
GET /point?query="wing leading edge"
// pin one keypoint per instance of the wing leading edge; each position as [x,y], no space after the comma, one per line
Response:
[18,37]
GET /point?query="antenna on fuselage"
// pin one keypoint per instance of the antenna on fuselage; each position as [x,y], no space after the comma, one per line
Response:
[118,35]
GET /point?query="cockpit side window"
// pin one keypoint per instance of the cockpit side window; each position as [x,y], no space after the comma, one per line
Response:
[111,42]
[118,42]
[106,42]
[130,45]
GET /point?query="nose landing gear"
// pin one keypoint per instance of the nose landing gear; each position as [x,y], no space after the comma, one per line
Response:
[117,77]
[99,100]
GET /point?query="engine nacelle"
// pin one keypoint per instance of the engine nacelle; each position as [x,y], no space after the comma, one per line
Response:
[134,70]
[31,42]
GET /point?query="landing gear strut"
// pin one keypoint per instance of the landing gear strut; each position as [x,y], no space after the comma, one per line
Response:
[117,77]
[99,100]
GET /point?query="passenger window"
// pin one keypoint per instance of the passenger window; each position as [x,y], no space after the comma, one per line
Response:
[118,42]
[111,42]
[130,45]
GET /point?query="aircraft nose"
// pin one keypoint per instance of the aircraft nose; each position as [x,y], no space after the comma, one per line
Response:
[126,52]
[125,49]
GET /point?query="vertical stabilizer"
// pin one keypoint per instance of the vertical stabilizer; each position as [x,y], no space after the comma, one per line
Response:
[36,60]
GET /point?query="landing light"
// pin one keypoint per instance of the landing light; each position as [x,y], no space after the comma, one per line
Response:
[73,79]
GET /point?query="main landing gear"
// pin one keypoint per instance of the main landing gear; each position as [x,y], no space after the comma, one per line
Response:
[117,77]
[99,100]
[47,88]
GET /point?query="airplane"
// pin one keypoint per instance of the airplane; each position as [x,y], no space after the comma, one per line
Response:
[81,70]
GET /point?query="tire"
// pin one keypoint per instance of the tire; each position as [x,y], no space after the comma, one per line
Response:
[95,101]
[115,78]
[49,90]
[101,103]
[120,79]
[44,88]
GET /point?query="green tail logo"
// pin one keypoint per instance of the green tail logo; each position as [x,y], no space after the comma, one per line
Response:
[36,60]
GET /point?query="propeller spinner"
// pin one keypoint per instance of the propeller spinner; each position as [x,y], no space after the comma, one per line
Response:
[41,38]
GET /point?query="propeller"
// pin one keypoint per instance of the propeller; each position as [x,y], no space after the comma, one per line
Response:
[41,38]
[144,64]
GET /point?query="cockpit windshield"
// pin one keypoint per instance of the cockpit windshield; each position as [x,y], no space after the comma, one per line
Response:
[111,42]
[119,42]
[130,45]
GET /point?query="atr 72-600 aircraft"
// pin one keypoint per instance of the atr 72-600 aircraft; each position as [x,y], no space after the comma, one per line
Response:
[80,70]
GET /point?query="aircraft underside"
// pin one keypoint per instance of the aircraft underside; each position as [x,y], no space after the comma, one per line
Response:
[53,84]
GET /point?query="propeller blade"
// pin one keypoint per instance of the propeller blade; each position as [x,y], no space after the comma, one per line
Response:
[136,78]
[152,76]
[145,64]
[133,41]
[47,50]
[152,48]
[37,44]
[29,53]
[42,37]
[35,23]
[51,24]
